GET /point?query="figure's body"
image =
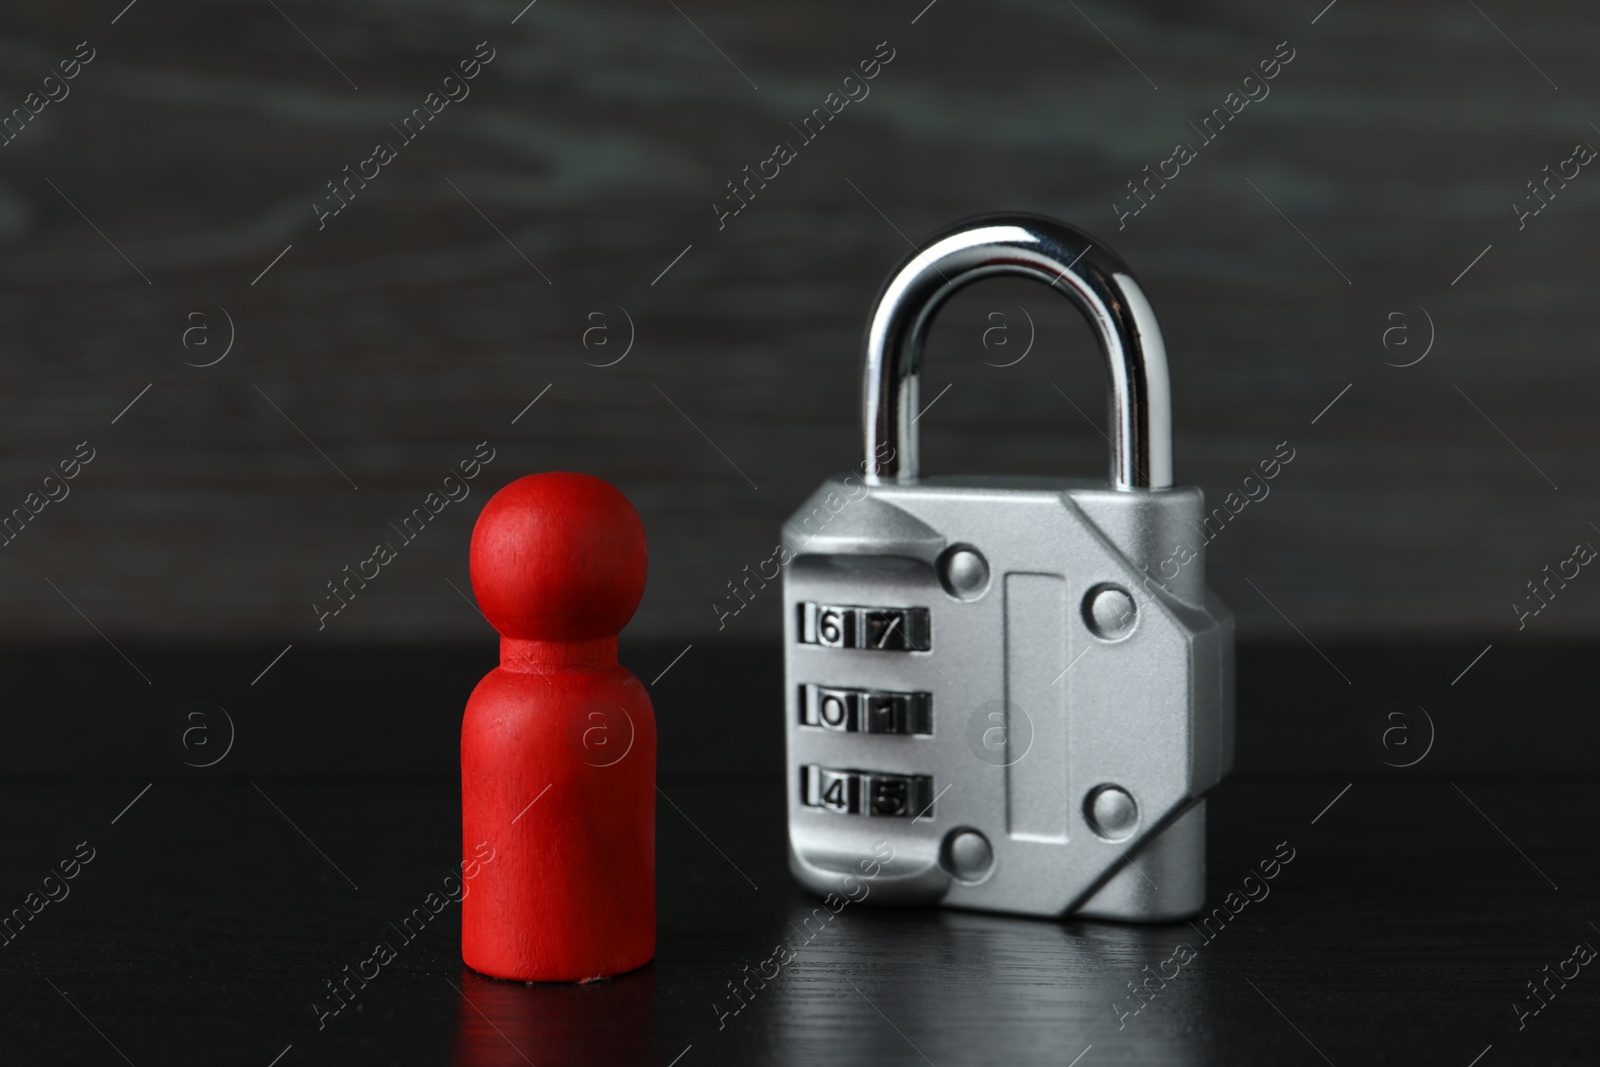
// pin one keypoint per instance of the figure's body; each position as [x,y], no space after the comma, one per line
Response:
[558,745]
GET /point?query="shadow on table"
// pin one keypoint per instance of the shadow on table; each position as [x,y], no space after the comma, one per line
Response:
[512,1024]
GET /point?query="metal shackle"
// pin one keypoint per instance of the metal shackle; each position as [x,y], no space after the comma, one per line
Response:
[1060,256]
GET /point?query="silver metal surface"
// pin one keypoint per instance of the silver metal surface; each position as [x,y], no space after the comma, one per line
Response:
[1068,707]
[1111,612]
[1113,813]
[1033,246]
[968,855]
[964,573]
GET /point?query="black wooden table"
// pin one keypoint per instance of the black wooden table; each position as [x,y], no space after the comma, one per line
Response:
[1407,915]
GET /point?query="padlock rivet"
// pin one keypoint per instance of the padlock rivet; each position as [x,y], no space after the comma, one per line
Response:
[964,572]
[968,855]
[1112,812]
[1110,612]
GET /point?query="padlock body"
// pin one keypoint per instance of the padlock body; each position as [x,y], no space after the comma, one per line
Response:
[1017,688]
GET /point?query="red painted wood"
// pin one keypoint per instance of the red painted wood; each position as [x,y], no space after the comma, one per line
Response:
[558,745]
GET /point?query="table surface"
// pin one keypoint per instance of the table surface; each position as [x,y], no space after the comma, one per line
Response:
[1412,915]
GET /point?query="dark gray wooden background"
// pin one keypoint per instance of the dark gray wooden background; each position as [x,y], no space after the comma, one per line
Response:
[1385,159]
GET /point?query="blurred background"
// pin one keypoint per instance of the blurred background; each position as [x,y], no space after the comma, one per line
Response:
[552,235]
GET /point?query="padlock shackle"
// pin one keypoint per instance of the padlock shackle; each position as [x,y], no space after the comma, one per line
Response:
[1060,256]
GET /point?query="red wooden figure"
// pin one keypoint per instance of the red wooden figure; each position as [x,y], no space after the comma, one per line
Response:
[558,746]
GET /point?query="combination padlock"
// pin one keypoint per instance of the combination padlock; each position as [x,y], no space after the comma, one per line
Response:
[986,682]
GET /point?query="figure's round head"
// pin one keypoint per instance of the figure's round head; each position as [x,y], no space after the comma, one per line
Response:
[558,557]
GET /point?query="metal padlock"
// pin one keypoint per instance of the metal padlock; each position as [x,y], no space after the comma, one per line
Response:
[993,700]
